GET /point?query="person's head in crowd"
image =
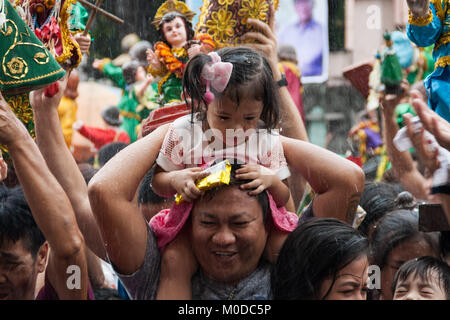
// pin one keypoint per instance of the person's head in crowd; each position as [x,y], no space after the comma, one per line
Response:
[304,9]
[133,71]
[23,248]
[71,90]
[129,41]
[174,29]
[108,151]
[149,202]
[227,241]
[397,239]
[444,244]
[424,278]
[322,259]
[111,116]
[377,199]
[88,171]
[250,94]
[138,52]
[288,53]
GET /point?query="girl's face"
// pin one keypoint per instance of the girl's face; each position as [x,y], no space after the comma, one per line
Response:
[232,122]
[405,251]
[175,32]
[350,283]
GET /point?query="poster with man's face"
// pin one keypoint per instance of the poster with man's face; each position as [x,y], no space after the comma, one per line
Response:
[303,24]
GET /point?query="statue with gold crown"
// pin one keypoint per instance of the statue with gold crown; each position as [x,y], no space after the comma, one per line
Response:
[26,64]
[177,44]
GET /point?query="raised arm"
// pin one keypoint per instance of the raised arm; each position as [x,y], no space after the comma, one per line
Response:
[49,204]
[111,193]
[338,182]
[61,163]
[402,163]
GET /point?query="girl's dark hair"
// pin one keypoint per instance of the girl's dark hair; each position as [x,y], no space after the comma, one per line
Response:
[377,199]
[395,228]
[169,17]
[17,222]
[315,251]
[423,267]
[251,77]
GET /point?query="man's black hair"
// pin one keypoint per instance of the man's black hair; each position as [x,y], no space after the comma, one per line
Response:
[146,195]
[108,151]
[17,222]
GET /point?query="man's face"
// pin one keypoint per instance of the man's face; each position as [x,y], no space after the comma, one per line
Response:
[18,270]
[228,235]
[304,9]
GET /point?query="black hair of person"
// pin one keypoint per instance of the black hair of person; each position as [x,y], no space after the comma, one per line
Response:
[17,222]
[315,251]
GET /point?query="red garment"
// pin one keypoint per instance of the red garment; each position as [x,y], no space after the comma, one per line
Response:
[295,88]
[100,137]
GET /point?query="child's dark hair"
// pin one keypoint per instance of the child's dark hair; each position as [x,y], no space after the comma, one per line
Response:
[252,77]
[423,267]
[171,16]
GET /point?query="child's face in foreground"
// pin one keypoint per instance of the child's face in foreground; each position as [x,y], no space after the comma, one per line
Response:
[415,288]
[223,114]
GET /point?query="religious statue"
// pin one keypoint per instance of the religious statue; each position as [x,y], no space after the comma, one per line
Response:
[177,44]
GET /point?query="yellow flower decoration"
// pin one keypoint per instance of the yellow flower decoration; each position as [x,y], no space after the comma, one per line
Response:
[221,25]
[226,2]
[15,66]
[254,9]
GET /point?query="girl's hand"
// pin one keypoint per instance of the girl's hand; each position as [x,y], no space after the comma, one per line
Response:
[183,181]
[262,178]
[419,7]
[152,59]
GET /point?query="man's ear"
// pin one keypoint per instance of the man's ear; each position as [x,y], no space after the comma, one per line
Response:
[42,257]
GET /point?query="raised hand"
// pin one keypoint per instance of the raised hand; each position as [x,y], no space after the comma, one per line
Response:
[11,128]
[436,125]
[152,59]
[83,41]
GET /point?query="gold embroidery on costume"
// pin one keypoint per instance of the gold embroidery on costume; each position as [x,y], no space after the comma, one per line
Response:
[16,67]
[420,21]
[443,62]
[68,43]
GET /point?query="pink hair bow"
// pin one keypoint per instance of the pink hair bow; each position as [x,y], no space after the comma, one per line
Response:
[215,74]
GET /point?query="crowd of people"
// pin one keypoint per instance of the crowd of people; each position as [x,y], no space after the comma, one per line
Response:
[230,201]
